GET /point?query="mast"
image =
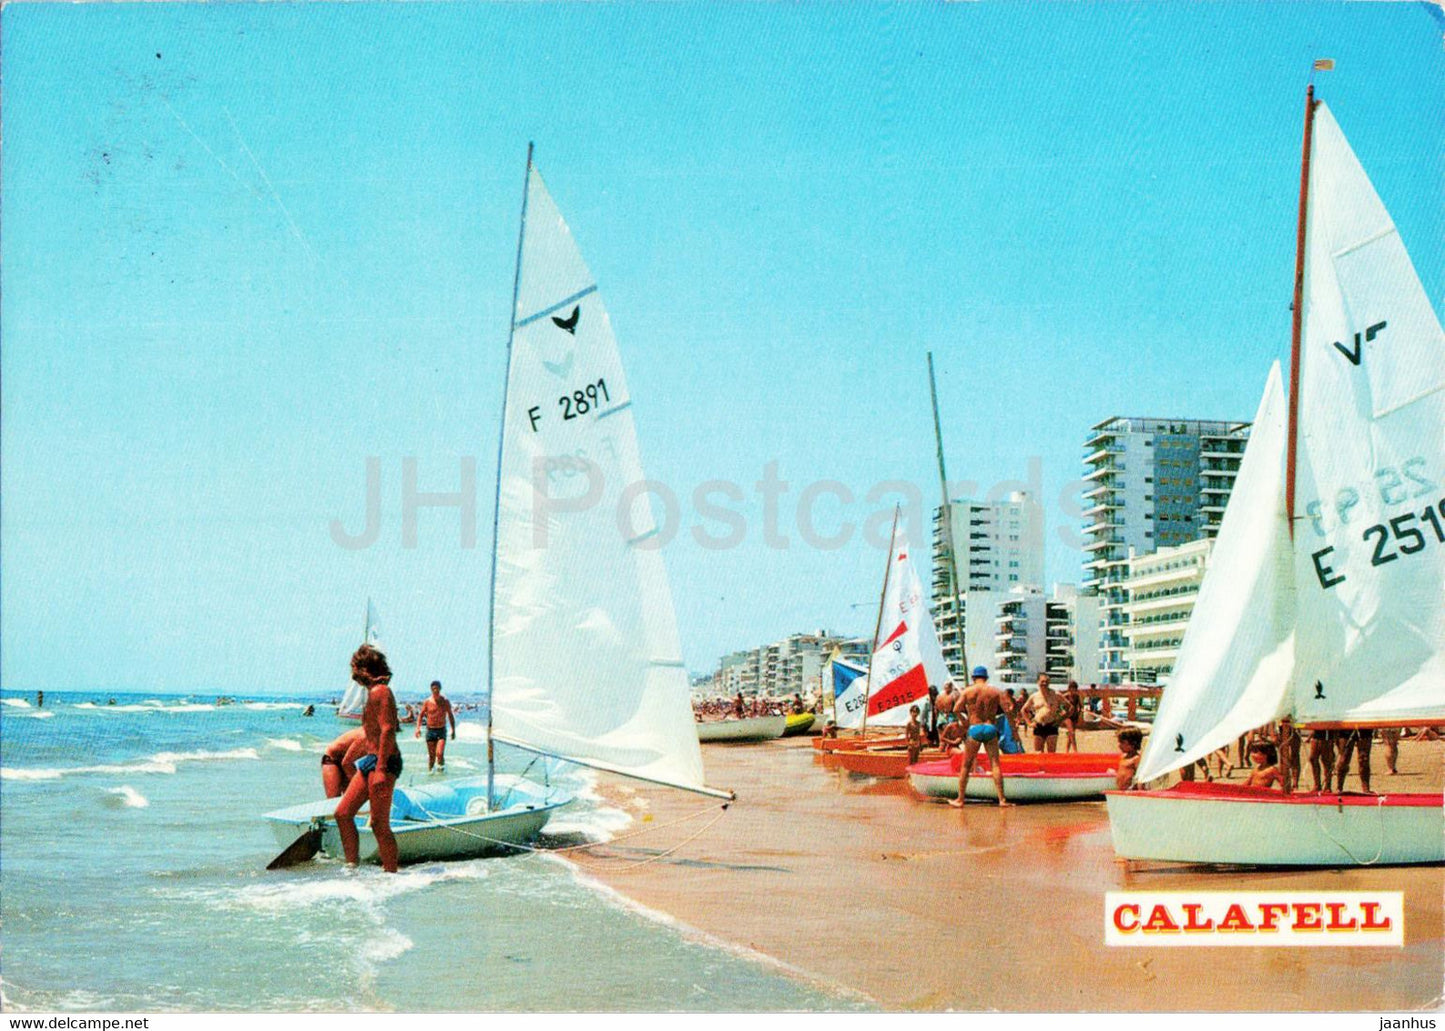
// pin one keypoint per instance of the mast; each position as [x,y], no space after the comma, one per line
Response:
[497,499]
[878,626]
[953,581]
[366,626]
[1297,319]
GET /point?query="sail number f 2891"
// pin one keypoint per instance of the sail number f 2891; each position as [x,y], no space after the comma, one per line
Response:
[575,404]
[1402,536]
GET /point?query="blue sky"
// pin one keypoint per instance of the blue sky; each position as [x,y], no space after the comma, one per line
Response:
[246,247]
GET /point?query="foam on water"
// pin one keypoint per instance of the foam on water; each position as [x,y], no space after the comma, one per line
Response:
[19,703]
[260,706]
[284,743]
[365,886]
[471,731]
[125,797]
[161,762]
[600,821]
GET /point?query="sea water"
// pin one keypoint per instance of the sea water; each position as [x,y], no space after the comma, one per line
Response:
[132,877]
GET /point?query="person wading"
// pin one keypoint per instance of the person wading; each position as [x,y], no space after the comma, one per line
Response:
[378,767]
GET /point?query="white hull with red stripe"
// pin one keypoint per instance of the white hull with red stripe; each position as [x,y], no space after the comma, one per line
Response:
[1235,825]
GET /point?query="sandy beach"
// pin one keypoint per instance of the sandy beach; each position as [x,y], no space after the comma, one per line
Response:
[856,883]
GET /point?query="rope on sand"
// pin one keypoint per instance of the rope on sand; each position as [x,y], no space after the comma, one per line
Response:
[722,811]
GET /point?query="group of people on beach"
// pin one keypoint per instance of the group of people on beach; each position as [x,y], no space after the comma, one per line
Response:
[741,708]
[982,716]
[1278,750]
[362,765]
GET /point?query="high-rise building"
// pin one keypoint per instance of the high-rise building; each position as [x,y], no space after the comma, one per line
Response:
[1152,483]
[1000,549]
[1040,634]
[1160,592]
[790,666]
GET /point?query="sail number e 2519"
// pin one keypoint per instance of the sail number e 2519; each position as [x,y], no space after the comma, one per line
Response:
[1402,536]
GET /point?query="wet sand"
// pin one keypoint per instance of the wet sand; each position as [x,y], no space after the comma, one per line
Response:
[856,883]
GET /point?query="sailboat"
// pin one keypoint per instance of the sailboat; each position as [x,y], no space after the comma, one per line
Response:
[1324,597]
[583,655]
[904,661]
[354,699]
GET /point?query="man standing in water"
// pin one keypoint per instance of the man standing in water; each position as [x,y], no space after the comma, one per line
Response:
[436,710]
[379,765]
[982,702]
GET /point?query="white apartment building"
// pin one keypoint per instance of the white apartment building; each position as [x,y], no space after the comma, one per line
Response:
[1037,634]
[1152,483]
[793,665]
[1161,590]
[1000,549]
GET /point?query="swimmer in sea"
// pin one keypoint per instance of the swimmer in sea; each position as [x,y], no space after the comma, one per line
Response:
[982,702]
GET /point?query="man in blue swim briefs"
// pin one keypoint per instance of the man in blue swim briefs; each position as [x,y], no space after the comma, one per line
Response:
[379,765]
[982,703]
[436,710]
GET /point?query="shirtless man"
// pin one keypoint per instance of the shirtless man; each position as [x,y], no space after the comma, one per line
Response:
[1045,710]
[338,762]
[981,702]
[378,766]
[947,704]
[436,710]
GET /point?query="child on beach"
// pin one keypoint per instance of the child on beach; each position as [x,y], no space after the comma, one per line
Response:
[1131,739]
[1266,766]
[915,735]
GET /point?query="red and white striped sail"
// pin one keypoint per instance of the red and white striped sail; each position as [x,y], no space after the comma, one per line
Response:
[907,657]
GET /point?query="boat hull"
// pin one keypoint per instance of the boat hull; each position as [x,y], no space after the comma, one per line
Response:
[1032,777]
[756,728]
[799,723]
[849,744]
[889,764]
[1231,824]
[430,838]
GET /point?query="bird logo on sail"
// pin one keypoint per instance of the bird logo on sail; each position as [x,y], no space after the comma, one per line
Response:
[570,322]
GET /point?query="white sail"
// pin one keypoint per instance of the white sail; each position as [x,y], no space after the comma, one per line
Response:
[1234,666]
[373,629]
[585,652]
[1370,512]
[907,659]
[354,700]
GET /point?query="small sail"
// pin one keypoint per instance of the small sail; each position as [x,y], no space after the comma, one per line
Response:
[1370,513]
[373,629]
[586,658]
[907,658]
[1233,670]
[354,700]
[849,687]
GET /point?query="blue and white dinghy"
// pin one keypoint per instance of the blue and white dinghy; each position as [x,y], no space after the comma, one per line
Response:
[583,651]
